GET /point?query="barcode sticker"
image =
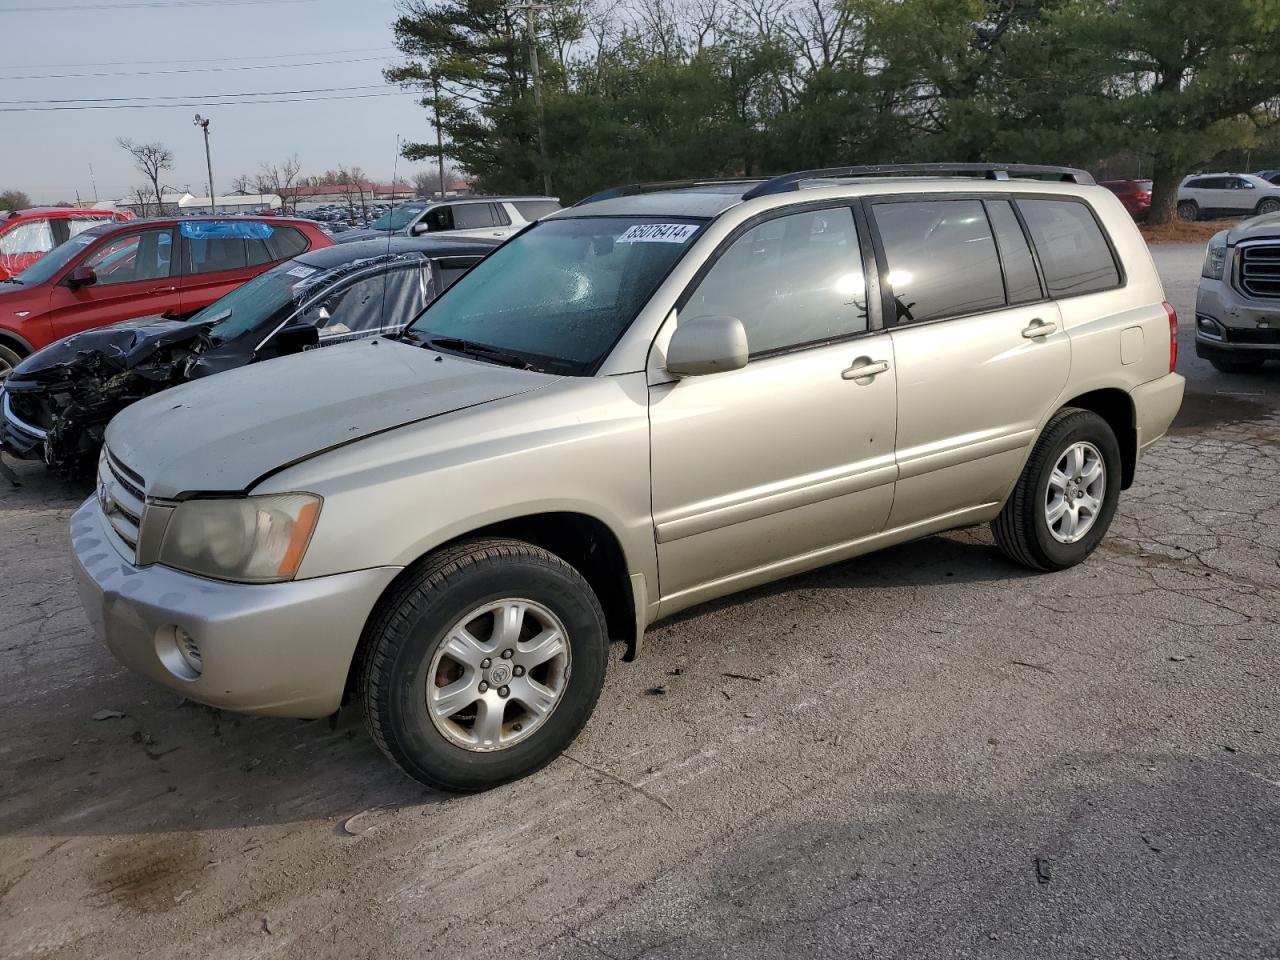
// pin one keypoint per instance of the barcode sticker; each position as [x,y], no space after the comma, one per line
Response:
[659,233]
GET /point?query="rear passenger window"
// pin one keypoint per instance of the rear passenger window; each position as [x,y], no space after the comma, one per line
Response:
[791,281]
[1020,280]
[1073,251]
[213,254]
[286,243]
[535,209]
[941,258]
[472,216]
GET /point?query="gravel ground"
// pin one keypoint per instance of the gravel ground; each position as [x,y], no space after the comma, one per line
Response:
[926,752]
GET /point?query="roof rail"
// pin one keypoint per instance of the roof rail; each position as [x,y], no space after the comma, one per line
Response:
[631,189]
[990,171]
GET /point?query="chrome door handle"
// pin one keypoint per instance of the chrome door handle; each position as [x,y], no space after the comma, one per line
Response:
[162,290]
[865,367]
[1039,328]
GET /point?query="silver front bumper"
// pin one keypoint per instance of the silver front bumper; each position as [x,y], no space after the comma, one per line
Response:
[282,649]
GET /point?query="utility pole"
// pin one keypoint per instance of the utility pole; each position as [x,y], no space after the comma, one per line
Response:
[94,183]
[203,122]
[531,25]
[435,87]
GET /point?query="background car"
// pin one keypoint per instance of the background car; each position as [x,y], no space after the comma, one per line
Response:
[1271,176]
[27,235]
[117,271]
[473,216]
[56,403]
[1134,194]
[1226,195]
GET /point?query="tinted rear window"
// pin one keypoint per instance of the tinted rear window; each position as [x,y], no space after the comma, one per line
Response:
[472,216]
[1021,283]
[941,258]
[287,243]
[1073,251]
[535,209]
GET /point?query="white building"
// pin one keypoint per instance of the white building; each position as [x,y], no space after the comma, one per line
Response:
[184,204]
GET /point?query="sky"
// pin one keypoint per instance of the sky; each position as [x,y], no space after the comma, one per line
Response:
[189,52]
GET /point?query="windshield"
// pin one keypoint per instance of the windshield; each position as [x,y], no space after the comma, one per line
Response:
[56,259]
[397,218]
[265,298]
[561,293]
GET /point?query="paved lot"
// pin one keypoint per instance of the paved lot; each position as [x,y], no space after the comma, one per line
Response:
[922,753]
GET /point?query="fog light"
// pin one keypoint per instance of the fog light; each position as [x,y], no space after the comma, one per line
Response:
[1209,327]
[179,652]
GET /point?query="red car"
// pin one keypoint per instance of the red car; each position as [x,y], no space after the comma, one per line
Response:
[119,271]
[27,235]
[1134,194]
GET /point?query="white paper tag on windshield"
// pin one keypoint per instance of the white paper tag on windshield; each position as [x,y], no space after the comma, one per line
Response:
[658,233]
[302,271]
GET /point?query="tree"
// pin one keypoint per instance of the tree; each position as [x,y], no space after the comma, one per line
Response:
[14,200]
[244,184]
[151,160]
[280,179]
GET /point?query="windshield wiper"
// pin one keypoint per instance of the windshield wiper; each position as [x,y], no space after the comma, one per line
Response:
[13,280]
[480,351]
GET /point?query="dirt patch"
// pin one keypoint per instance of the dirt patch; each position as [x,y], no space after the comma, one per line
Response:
[150,876]
[1201,411]
[1181,232]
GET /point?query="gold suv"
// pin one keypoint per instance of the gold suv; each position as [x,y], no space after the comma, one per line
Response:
[651,399]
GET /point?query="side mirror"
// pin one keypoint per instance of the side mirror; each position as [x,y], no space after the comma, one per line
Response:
[707,345]
[420,228]
[82,277]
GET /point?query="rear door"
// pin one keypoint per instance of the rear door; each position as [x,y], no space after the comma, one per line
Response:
[980,350]
[481,219]
[219,256]
[134,278]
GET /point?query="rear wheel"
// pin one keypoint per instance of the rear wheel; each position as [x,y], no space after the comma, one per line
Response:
[1270,205]
[1188,210]
[1233,365]
[8,360]
[484,665]
[1064,501]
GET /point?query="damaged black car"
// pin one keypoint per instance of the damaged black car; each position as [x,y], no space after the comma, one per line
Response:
[55,405]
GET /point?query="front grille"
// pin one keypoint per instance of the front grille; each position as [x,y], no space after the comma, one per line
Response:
[29,408]
[18,422]
[121,497]
[1260,270]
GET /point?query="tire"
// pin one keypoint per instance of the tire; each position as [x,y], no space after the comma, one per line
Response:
[1023,531]
[8,360]
[1270,205]
[406,661]
[1233,365]
[1188,210]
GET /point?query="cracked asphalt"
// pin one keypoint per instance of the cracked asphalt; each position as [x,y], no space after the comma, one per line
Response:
[926,752]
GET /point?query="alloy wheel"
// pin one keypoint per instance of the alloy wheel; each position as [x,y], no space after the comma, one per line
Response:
[1075,492]
[498,676]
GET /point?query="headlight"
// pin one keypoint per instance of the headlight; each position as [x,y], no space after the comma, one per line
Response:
[1215,257]
[253,539]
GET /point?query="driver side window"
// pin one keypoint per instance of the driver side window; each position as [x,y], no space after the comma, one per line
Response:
[793,280]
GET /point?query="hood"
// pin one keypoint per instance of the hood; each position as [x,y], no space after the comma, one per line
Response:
[120,346]
[364,233]
[224,433]
[1264,227]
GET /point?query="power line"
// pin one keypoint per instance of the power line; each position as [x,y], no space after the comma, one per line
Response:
[196,96]
[144,4]
[201,103]
[389,51]
[154,73]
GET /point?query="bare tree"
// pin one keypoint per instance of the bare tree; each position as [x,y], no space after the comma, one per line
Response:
[281,179]
[140,200]
[152,160]
[426,183]
[244,184]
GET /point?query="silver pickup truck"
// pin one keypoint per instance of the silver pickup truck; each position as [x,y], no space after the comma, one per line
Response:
[638,404]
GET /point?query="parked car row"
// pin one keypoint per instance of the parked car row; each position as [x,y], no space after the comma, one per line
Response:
[657,397]
[27,235]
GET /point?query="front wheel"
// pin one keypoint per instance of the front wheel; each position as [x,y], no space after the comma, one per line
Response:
[1188,210]
[1064,501]
[483,665]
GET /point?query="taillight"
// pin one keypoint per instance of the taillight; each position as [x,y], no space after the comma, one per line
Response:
[1173,335]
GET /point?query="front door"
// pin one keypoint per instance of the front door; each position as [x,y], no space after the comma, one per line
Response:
[133,278]
[779,465]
